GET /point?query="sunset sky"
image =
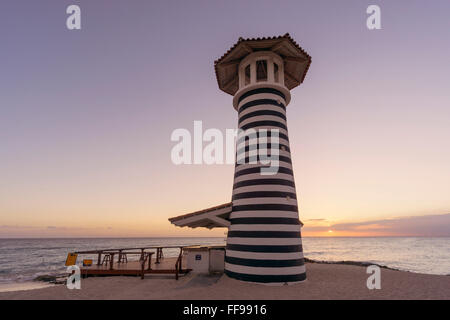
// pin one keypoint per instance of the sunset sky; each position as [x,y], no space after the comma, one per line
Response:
[86,116]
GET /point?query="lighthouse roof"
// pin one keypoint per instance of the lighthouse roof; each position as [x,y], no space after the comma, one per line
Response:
[296,60]
[215,217]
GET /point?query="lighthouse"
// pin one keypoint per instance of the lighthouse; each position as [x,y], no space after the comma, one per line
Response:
[264,239]
[264,242]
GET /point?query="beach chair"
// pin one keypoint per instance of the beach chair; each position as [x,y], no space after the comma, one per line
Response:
[106,259]
[123,258]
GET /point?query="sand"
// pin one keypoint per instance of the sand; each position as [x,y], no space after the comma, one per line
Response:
[325,281]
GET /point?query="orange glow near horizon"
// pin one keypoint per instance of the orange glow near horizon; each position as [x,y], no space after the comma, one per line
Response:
[334,234]
[150,227]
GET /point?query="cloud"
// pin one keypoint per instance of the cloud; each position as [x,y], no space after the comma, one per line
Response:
[5,226]
[429,225]
[15,231]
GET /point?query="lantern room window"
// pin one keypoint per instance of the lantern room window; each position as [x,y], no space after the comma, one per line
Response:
[261,70]
[275,72]
[247,75]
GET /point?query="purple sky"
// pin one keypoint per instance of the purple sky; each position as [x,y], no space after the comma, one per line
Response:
[86,116]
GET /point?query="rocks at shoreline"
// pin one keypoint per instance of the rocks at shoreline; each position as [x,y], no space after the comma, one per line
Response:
[352,263]
[54,279]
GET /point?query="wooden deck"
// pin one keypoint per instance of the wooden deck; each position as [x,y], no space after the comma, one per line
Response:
[134,262]
[165,266]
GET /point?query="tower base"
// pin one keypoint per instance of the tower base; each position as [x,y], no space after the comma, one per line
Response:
[269,280]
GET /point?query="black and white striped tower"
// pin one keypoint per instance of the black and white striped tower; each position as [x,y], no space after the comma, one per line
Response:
[264,240]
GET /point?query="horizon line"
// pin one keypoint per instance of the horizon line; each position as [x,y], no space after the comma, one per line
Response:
[194,237]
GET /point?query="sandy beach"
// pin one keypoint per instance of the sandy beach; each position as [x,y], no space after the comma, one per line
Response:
[325,281]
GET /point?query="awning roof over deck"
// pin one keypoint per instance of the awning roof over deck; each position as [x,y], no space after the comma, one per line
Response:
[215,217]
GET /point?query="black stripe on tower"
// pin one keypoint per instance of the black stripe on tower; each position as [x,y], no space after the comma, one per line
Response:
[269,146]
[258,170]
[266,278]
[256,182]
[263,234]
[265,263]
[261,90]
[265,207]
[248,160]
[258,135]
[263,123]
[264,220]
[260,102]
[265,248]
[262,113]
[264,194]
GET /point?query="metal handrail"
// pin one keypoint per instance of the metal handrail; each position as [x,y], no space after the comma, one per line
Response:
[137,248]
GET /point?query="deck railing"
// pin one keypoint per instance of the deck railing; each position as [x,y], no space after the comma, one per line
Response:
[145,258]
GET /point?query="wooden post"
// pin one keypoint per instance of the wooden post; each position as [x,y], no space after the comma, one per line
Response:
[178,263]
[158,254]
[142,268]
[150,261]
[99,260]
[111,262]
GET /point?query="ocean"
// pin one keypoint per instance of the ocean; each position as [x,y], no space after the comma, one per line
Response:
[22,260]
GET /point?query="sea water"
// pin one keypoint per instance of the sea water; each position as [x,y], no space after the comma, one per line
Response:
[22,260]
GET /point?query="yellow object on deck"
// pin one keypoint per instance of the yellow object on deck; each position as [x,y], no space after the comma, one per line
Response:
[71,259]
[87,262]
